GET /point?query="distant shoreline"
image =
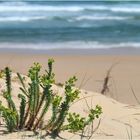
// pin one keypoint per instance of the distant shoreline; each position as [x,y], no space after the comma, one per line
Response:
[77,51]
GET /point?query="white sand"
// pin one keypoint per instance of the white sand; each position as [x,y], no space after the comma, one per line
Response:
[118,120]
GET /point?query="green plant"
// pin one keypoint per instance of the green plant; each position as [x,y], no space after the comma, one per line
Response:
[32,99]
[7,94]
[77,123]
[70,95]
[60,112]
[38,102]
[55,111]
[33,94]
[46,83]
[9,117]
[36,97]
[1,73]
[22,110]
[9,113]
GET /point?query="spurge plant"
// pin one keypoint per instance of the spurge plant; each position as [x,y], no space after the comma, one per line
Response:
[37,98]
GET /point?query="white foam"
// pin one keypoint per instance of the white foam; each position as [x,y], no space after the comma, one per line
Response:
[68,45]
[26,7]
[46,17]
[20,19]
[101,18]
[39,8]
[126,10]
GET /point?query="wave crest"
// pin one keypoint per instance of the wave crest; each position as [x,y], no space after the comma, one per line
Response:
[101,18]
[28,7]
[20,19]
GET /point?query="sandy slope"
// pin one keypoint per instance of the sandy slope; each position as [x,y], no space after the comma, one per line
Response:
[91,68]
[116,121]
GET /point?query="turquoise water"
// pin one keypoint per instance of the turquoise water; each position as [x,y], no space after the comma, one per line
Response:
[101,24]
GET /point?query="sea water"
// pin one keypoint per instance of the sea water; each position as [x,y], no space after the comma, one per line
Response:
[70,24]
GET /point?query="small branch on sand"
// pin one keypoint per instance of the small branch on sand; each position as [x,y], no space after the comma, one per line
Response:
[105,87]
[138,101]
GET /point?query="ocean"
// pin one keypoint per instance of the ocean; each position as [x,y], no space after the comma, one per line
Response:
[70,24]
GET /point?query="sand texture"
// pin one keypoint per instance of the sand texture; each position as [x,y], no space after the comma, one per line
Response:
[118,121]
[90,71]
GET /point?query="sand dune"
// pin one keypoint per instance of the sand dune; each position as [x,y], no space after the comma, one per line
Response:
[118,120]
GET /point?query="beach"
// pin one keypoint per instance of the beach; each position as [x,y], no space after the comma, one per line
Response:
[89,69]
[96,41]
[120,117]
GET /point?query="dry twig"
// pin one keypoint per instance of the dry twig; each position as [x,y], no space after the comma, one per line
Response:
[105,87]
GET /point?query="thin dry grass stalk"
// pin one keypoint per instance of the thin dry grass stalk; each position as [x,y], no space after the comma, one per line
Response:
[129,133]
[84,81]
[133,92]
[89,130]
[105,87]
